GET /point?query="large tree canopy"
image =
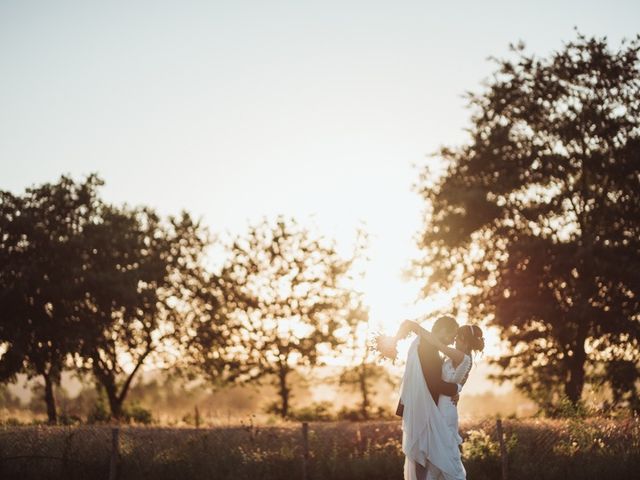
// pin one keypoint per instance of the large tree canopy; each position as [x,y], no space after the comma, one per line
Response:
[39,265]
[140,277]
[537,218]
[88,285]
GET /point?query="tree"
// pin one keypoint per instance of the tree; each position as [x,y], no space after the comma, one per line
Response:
[109,288]
[363,373]
[283,300]
[38,278]
[537,218]
[140,275]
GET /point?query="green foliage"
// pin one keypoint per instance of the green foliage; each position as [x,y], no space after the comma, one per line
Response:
[324,412]
[481,454]
[99,413]
[66,419]
[284,293]
[622,375]
[537,217]
[565,408]
[136,413]
[139,272]
[41,276]
[479,445]
[318,411]
[88,283]
[351,414]
[356,414]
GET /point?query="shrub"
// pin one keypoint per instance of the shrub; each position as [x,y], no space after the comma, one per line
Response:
[318,411]
[138,414]
[99,413]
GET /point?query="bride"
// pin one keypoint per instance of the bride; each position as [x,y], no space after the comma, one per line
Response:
[431,441]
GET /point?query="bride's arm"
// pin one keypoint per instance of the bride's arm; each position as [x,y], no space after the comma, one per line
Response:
[456,355]
[462,370]
[405,328]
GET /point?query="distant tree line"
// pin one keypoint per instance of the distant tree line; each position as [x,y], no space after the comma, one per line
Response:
[104,290]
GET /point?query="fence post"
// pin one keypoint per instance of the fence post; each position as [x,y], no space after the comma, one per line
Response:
[65,453]
[113,464]
[503,448]
[305,449]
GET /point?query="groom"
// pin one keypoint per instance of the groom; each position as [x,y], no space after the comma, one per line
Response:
[445,329]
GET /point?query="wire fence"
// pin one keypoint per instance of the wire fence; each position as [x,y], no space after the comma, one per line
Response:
[507,449]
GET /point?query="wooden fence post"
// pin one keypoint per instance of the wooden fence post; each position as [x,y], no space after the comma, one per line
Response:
[305,449]
[65,453]
[503,448]
[113,464]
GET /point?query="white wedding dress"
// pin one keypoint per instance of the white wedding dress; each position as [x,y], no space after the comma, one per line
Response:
[430,433]
[449,409]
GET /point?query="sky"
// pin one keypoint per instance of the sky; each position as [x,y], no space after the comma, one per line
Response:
[235,110]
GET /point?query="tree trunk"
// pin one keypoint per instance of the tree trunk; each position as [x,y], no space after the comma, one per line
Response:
[115,403]
[575,363]
[575,381]
[365,392]
[284,392]
[50,399]
[107,379]
[108,382]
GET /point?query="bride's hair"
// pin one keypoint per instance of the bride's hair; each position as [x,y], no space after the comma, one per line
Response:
[472,336]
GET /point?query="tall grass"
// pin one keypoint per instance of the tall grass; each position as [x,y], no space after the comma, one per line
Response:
[537,449]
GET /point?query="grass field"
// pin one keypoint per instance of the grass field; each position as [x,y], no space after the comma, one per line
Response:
[537,449]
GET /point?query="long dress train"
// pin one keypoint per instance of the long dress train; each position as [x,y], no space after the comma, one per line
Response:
[426,438]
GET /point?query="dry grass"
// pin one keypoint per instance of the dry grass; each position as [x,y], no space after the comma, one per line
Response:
[537,449]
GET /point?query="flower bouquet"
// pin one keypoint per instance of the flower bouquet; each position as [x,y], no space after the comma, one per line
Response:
[385,346]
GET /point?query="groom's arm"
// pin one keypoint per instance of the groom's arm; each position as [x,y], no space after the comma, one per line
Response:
[432,372]
[432,376]
[449,389]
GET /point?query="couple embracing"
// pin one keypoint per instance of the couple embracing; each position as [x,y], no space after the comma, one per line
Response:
[429,396]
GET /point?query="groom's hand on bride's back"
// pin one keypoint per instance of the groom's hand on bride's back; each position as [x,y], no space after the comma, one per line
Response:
[455,398]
